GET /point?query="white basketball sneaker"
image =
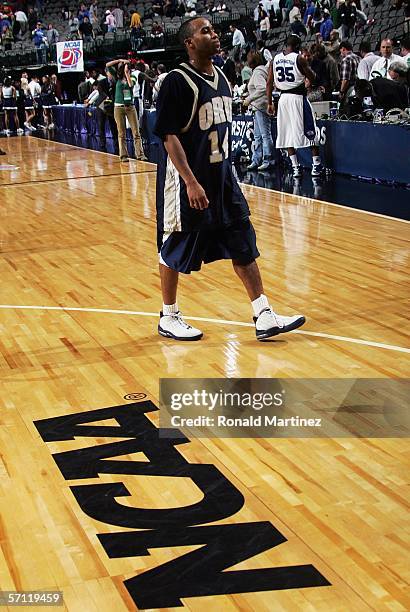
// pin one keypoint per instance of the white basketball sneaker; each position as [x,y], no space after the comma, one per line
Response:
[173,326]
[269,324]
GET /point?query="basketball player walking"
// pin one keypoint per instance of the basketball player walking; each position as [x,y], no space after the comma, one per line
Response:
[202,215]
[296,123]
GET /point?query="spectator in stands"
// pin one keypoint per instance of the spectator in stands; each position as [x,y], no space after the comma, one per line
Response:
[158,7]
[162,73]
[82,12]
[65,13]
[326,26]
[191,6]
[333,46]
[369,58]
[118,16]
[329,70]
[93,13]
[405,51]
[4,21]
[32,19]
[298,27]
[109,21]
[348,69]
[21,18]
[52,35]
[361,20]
[347,17]
[124,108]
[73,25]
[256,14]
[381,67]
[168,8]
[157,35]
[238,42]
[308,15]
[7,38]
[86,30]
[137,34]
[293,13]
[40,40]
[317,20]
[264,25]
[263,149]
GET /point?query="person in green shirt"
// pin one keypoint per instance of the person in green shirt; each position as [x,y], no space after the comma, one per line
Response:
[124,108]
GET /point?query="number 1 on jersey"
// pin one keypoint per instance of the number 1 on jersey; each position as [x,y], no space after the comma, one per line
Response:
[216,154]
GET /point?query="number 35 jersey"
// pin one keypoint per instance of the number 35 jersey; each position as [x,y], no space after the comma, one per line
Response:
[286,72]
[197,108]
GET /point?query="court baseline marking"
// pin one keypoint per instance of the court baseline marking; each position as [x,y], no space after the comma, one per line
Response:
[76,178]
[359,210]
[305,198]
[389,347]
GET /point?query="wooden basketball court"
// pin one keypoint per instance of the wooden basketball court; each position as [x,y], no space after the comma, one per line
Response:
[78,314]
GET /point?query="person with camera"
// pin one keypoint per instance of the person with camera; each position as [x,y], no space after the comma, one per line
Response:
[124,108]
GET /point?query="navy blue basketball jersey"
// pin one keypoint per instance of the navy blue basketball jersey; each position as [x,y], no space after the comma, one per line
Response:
[198,109]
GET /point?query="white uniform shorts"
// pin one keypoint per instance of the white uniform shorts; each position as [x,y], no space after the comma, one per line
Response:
[293,121]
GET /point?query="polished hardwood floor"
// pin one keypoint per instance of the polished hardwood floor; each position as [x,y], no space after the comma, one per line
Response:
[78,315]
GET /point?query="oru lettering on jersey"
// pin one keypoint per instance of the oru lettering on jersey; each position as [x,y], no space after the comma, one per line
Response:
[216,111]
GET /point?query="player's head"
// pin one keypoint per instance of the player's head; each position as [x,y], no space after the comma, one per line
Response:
[7,81]
[293,43]
[199,37]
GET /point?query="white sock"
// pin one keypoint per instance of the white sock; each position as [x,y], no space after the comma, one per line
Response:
[259,304]
[169,309]
[294,160]
[316,160]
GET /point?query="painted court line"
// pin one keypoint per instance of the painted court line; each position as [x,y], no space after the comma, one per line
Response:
[389,347]
[351,208]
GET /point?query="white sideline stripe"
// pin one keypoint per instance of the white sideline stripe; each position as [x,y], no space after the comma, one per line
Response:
[389,347]
[358,210]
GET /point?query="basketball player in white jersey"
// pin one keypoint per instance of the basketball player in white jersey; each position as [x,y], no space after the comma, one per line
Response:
[296,123]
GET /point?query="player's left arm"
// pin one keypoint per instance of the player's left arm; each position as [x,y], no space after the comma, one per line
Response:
[269,89]
[305,69]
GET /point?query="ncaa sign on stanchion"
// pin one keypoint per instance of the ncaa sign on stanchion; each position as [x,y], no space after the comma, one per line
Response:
[70,56]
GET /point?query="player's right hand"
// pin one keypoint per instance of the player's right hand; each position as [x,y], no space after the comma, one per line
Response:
[197,196]
[271,109]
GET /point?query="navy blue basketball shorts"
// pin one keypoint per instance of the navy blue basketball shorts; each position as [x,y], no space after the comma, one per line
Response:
[187,251]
